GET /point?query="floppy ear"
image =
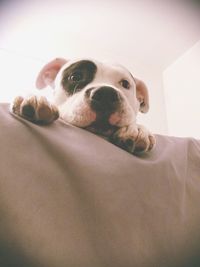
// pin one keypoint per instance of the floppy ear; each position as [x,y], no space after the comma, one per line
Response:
[49,72]
[142,95]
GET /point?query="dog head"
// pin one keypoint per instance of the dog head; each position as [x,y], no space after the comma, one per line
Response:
[98,96]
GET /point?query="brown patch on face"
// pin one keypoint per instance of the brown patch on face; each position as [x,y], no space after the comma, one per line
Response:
[78,75]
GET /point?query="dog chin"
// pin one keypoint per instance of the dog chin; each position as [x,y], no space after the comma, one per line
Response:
[102,128]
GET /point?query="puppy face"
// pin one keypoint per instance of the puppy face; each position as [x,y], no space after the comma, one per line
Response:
[93,95]
[96,95]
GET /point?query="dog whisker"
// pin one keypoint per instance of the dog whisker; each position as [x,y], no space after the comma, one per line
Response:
[75,88]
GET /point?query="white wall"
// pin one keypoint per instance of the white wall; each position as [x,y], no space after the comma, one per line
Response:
[182,92]
[18,75]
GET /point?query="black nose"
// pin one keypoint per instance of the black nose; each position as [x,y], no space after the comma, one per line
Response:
[104,99]
[105,95]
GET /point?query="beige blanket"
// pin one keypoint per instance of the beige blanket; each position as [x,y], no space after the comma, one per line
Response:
[69,198]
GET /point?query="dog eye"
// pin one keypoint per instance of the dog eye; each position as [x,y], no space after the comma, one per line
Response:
[125,84]
[75,77]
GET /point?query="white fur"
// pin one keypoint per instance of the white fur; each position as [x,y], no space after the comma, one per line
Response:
[73,107]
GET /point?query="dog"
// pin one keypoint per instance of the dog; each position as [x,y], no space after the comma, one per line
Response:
[100,97]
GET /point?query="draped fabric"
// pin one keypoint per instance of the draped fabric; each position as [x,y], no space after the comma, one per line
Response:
[71,198]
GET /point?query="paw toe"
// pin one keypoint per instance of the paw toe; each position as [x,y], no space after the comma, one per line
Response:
[16,105]
[126,144]
[44,113]
[152,140]
[141,146]
[28,111]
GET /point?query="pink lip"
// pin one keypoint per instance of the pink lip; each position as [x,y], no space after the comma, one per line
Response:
[93,116]
[114,118]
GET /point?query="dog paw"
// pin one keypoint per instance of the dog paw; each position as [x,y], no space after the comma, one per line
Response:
[35,108]
[145,140]
[125,138]
[134,139]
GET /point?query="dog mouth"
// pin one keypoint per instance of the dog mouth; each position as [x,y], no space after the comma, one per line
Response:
[103,128]
[104,124]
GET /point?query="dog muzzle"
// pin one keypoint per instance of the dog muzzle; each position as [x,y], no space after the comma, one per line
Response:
[104,101]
